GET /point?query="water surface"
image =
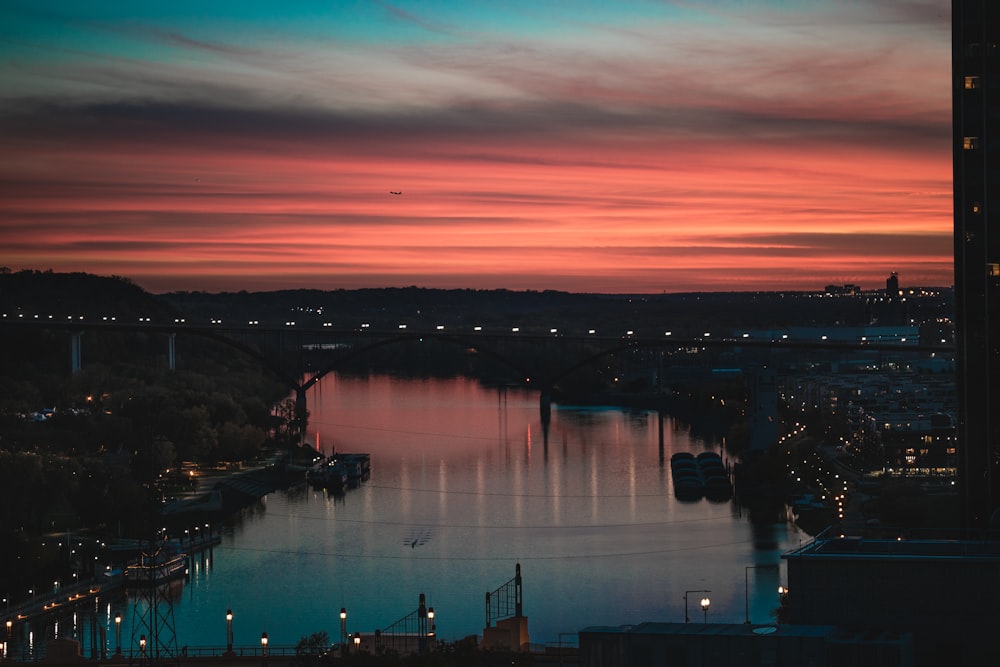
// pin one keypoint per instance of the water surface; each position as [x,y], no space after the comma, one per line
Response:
[464,486]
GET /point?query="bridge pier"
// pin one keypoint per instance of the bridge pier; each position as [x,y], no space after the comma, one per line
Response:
[172,351]
[75,351]
[301,413]
[545,411]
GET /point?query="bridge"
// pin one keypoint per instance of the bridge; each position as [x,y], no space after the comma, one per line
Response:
[301,355]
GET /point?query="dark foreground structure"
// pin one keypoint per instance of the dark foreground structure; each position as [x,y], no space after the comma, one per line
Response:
[851,602]
[722,645]
[976,151]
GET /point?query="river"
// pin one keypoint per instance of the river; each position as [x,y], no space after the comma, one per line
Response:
[463,487]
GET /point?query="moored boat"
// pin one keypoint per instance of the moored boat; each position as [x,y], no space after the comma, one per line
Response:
[167,562]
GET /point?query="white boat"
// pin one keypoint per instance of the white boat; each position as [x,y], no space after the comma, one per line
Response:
[167,562]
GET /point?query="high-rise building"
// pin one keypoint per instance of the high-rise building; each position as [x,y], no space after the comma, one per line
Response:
[892,284]
[976,152]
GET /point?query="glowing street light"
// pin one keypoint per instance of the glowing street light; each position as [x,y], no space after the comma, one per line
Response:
[118,634]
[229,631]
[687,619]
[704,607]
[263,644]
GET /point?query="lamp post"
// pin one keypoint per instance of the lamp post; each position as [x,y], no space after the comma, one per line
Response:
[10,625]
[782,604]
[687,619]
[746,584]
[430,620]
[343,630]
[118,634]
[357,642]
[263,644]
[704,608]
[422,625]
[142,647]
[229,631]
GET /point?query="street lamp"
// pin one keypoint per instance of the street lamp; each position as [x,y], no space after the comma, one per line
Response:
[782,604]
[263,644]
[10,625]
[430,620]
[118,634]
[357,642]
[687,619]
[229,631]
[704,607]
[142,645]
[343,629]
[746,584]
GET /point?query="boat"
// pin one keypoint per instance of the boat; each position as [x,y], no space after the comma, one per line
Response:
[698,476]
[330,474]
[358,466]
[167,562]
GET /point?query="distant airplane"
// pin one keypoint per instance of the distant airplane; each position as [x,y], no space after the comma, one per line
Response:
[395,193]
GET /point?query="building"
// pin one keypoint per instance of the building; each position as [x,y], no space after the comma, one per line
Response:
[945,592]
[976,152]
[892,284]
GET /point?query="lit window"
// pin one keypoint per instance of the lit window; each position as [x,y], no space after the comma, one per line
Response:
[977,207]
[993,270]
[971,82]
[970,143]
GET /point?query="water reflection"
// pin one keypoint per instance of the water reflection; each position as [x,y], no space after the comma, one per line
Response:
[462,488]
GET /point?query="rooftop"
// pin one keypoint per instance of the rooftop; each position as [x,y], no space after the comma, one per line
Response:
[923,549]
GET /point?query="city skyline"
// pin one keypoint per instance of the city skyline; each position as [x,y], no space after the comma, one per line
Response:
[626,147]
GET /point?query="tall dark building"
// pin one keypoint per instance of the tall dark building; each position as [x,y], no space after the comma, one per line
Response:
[976,151]
[892,284]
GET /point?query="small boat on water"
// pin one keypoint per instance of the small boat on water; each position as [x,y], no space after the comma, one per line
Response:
[330,474]
[339,470]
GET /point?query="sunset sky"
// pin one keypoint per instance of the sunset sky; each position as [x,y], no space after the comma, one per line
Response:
[625,146]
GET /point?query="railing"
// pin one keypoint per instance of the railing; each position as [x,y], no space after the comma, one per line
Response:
[410,633]
[505,601]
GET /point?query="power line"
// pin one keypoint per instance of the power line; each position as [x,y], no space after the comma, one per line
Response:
[520,557]
[404,524]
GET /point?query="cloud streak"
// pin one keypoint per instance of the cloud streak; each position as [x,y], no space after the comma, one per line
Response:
[644,149]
